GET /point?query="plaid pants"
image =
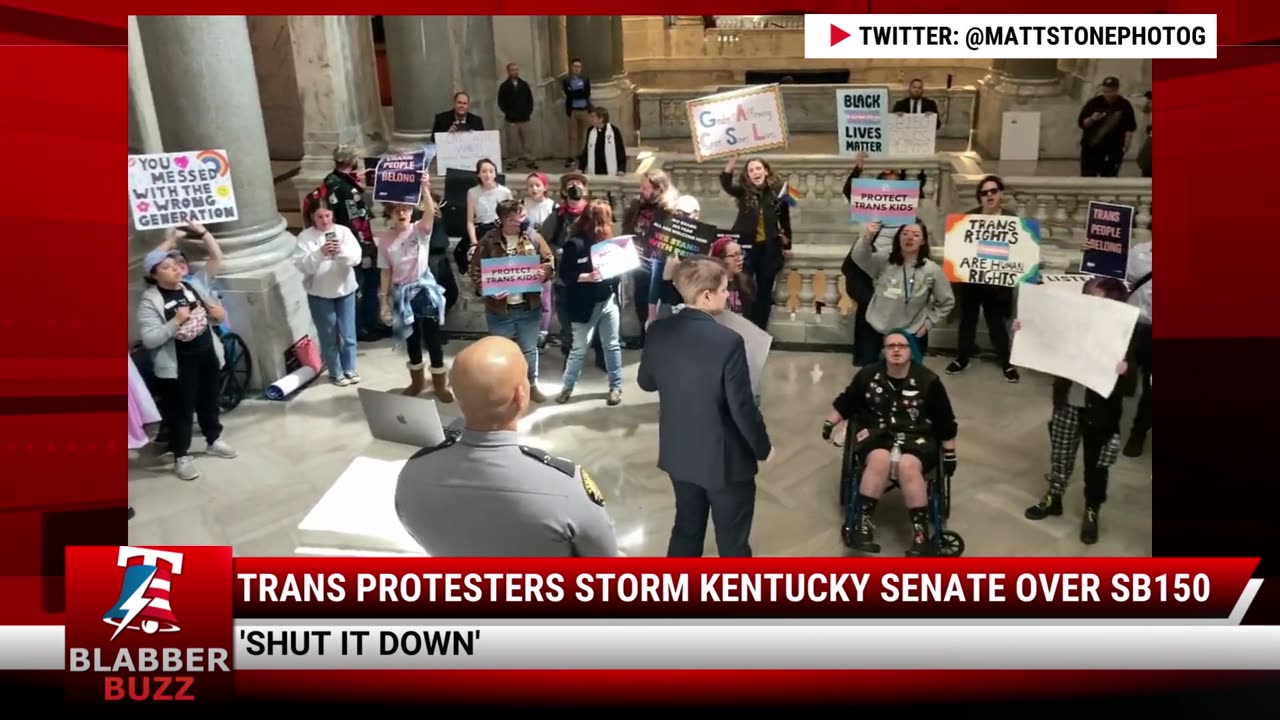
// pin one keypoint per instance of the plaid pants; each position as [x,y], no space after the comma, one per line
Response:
[1101,450]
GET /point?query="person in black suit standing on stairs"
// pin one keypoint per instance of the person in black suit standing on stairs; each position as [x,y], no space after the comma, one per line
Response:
[711,436]
[916,103]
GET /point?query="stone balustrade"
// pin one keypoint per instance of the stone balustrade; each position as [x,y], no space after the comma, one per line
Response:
[810,108]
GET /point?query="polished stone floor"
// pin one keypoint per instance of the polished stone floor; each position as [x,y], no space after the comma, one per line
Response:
[292,453]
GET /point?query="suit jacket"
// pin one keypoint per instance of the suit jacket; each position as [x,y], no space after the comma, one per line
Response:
[926,106]
[444,121]
[710,431]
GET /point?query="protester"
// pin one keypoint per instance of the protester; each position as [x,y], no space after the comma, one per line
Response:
[327,255]
[711,436]
[482,209]
[515,100]
[537,208]
[742,289]
[897,407]
[592,301]
[763,223]
[994,301]
[911,291]
[516,317]
[662,287]
[656,198]
[346,198]
[1082,415]
[174,319]
[574,195]
[413,303]
[1138,276]
[915,103]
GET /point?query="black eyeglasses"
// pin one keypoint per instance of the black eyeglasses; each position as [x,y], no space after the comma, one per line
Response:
[989,192]
[897,346]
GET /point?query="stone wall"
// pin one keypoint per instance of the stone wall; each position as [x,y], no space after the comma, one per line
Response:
[277,85]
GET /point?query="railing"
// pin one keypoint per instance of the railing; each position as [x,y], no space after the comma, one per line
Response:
[759,22]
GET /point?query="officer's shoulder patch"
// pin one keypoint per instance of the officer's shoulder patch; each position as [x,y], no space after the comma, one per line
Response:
[428,450]
[589,485]
[543,457]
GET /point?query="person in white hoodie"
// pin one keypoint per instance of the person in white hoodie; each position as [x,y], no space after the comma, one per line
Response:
[326,255]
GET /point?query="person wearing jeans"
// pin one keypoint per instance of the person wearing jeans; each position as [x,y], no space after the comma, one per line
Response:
[592,300]
[327,255]
[516,317]
[345,197]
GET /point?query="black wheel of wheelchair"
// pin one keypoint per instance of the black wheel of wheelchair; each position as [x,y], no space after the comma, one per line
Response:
[847,468]
[946,497]
[236,372]
[950,544]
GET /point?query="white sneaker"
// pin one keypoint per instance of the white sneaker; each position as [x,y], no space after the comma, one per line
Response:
[352,378]
[185,468]
[221,449]
[340,381]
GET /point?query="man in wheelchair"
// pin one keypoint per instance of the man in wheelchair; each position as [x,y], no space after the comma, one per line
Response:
[898,413]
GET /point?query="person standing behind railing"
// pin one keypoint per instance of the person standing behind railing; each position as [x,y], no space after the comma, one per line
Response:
[763,223]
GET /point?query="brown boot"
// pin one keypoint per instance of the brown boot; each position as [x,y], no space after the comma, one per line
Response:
[440,383]
[417,380]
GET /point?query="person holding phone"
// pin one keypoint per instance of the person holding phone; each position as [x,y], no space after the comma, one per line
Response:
[327,255]
[175,318]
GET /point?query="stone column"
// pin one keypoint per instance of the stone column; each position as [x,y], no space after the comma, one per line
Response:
[597,40]
[476,69]
[419,48]
[528,41]
[201,72]
[1017,85]
[144,137]
[337,76]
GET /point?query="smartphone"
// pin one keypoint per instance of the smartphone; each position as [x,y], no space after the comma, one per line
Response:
[331,236]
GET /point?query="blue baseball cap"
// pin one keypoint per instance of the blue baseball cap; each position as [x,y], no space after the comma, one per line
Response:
[157,256]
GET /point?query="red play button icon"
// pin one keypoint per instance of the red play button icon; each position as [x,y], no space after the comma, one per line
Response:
[837,35]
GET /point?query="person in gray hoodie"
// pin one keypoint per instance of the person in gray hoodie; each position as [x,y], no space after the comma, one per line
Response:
[911,290]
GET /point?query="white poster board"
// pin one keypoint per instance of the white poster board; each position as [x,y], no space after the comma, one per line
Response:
[1020,136]
[1075,336]
[462,150]
[860,120]
[758,342]
[1070,283]
[748,120]
[912,134]
[173,189]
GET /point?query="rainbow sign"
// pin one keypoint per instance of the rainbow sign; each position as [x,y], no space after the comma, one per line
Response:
[175,189]
[511,275]
[214,160]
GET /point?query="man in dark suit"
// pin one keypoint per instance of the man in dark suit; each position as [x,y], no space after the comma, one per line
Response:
[916,103]
[711,436]
[458,119]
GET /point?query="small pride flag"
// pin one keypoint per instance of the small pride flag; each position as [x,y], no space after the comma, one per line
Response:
[993,250]
[789,195]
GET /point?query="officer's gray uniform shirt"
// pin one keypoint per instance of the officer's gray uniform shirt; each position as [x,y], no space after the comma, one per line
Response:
[488,496]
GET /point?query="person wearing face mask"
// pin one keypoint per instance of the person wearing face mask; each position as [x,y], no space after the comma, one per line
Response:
[556,229]
[413,303]
[516,317]
[911,290]
[763,224]
[482,210]
[656,197]
[537,208]
[327,255]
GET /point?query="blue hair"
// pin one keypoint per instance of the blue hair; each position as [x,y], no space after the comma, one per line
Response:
[916,355]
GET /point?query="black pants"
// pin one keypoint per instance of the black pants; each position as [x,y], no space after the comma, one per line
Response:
[766,273]
[426,331]
[731,508]
[1142,419]
[464,246]
[866,341]
[194,392]
[1100,161]
[994,302]
[641,279]
[444,275]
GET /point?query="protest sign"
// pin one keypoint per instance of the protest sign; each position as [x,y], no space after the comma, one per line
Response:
[615,257]
[398,178]
[748,120]
[889,202]
[991,250]
[671,235]
[912,133]
[860,114]
[511,275]
[1107,231]
[757,342]
[174,189]
[1075,336]
[462,150]
[1071,283]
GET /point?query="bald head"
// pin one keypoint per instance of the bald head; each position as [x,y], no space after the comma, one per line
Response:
[491,381]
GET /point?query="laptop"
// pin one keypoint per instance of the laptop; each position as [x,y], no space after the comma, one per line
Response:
[403,419]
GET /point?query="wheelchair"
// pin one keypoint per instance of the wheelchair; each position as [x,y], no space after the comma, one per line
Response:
[233,379]
[945,543]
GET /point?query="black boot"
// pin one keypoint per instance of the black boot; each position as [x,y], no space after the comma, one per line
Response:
[864,531]
[1136,445]
[1089,527]
[1050,504]
[920,544]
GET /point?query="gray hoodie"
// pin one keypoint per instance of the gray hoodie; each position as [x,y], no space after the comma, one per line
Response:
[904,297]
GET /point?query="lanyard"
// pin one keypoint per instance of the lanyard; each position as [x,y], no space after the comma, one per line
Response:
[906,286]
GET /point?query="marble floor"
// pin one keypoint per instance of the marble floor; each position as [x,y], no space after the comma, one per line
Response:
[292,452]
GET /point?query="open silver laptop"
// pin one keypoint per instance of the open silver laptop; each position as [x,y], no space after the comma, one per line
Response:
[403,419]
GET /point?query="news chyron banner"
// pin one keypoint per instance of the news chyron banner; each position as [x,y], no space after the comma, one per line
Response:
[190,624]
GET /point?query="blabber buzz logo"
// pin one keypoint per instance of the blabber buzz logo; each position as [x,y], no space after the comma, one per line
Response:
[133,667]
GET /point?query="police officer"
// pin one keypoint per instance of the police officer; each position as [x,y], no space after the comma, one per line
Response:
[485,494]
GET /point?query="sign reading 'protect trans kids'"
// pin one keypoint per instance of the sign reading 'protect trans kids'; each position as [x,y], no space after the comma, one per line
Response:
[735,122]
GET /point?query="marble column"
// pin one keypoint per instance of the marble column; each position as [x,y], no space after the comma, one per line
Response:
[1024,85]
[597,40]
[337,76]
[528,41]
[419,48]
[202,76]
[144,137]
[476,68]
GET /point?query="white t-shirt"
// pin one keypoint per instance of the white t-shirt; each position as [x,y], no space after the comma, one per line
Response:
[486,202]
[406,253]
[539,212]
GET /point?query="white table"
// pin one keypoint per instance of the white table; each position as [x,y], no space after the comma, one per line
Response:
[357,516]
